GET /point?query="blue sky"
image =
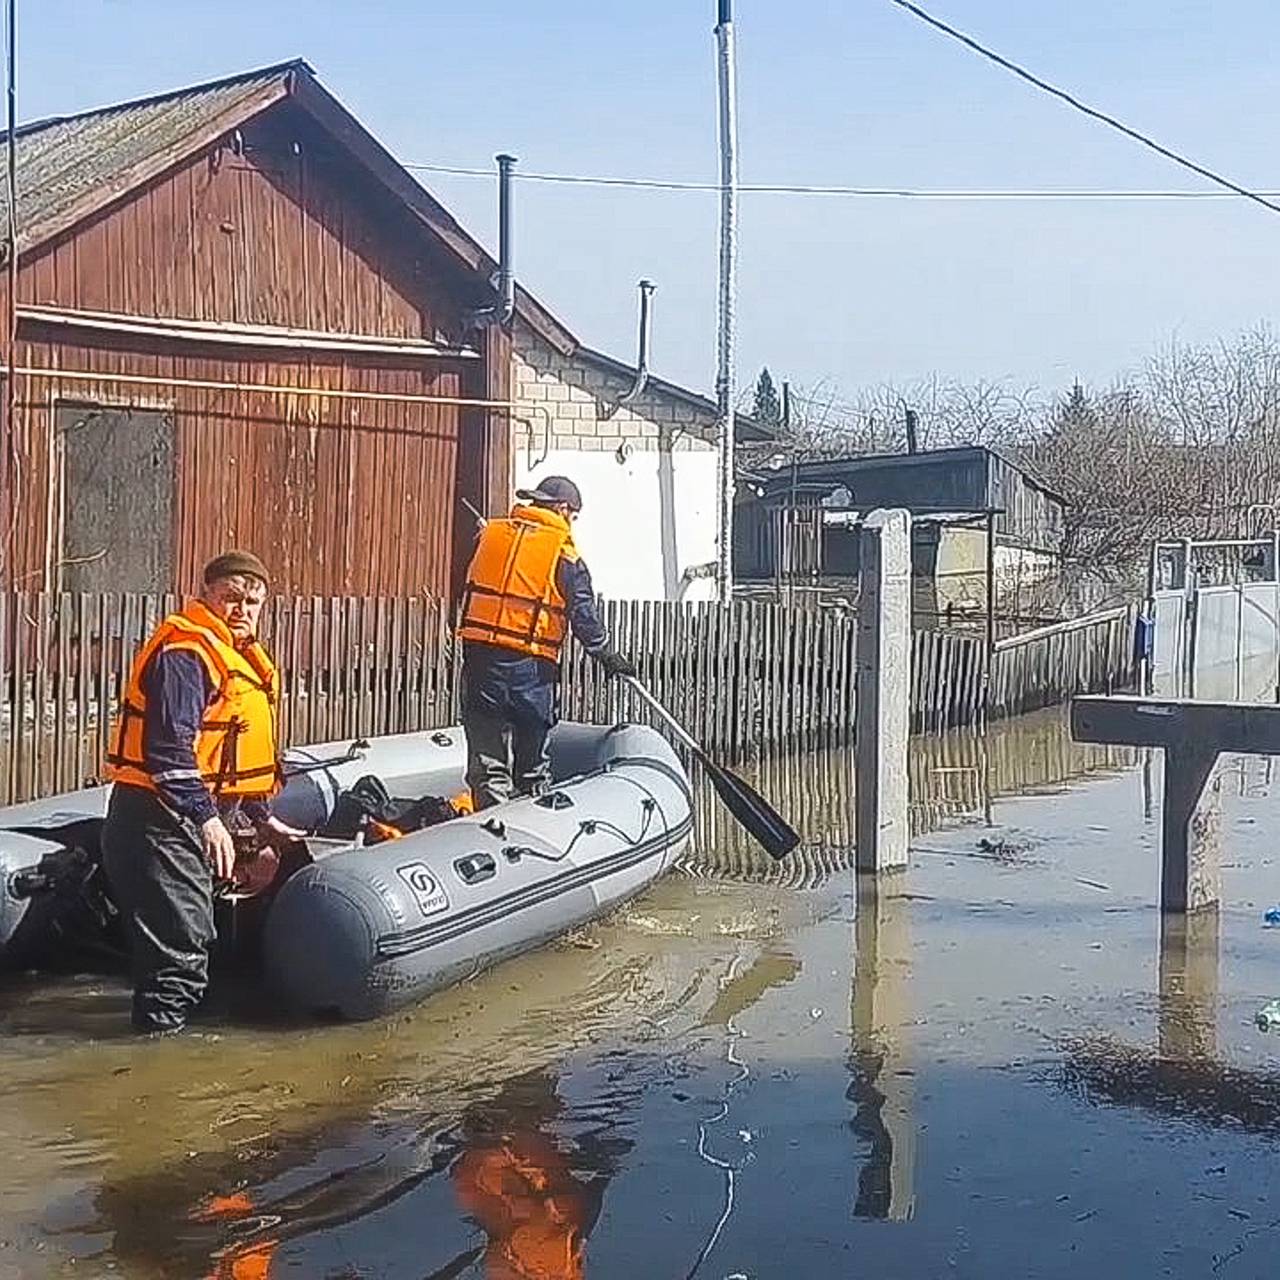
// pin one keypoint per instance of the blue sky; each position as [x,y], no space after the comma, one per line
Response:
[835,91]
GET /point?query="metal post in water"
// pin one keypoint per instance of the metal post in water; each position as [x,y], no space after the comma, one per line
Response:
[726,381]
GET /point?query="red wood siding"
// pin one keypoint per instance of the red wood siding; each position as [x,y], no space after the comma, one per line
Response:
[337,495]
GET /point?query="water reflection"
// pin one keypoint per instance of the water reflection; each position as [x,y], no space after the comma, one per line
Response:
[1188,986]
[952,776]
[1183,1075]
[771,968]
[881,1084]
[258,1148]
[520,1169]
[535,1197]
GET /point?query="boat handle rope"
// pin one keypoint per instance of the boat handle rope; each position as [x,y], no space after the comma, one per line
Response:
[654,802]
[589,826]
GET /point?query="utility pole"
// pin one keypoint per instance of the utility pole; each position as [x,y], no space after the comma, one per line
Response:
[726,380]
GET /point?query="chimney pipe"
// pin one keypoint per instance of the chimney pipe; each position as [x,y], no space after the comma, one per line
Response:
[912,444]
[642,358]
[506,256]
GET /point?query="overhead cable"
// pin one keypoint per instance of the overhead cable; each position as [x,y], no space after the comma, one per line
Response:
[818,189]
[1022,73]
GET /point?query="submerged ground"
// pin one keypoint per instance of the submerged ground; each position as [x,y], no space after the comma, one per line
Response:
[990,1068]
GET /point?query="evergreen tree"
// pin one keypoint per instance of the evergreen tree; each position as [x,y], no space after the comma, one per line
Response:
[1078,408]
[767,408]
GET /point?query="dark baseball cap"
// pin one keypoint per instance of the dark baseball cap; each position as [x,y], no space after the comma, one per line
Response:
[553,490]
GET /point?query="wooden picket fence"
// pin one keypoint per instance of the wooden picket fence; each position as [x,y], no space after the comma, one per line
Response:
[1041,668]
[349,668]
[740,678]
[744,678]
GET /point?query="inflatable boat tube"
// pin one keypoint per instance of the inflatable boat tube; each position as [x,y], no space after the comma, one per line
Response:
[364,931]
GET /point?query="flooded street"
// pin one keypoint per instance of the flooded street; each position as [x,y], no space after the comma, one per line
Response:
[992,1067]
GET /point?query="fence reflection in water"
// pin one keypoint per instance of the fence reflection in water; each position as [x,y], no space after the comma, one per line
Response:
[952,775]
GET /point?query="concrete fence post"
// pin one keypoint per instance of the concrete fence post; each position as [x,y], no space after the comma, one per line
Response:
[881,829]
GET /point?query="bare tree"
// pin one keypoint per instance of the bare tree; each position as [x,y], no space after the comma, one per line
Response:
[1188,445]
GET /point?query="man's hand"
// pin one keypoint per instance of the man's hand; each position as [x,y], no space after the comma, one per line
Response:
[614,664]
[218,847]
[276,834]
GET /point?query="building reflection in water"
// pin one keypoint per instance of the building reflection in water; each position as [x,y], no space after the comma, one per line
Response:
[881,1086]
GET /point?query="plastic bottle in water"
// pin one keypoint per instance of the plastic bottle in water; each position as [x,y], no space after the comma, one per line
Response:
[1268,1017]
[1271,917]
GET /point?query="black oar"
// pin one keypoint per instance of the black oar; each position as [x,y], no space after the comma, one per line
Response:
[752,810]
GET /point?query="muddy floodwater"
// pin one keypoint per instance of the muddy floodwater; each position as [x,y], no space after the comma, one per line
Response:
[993,1067]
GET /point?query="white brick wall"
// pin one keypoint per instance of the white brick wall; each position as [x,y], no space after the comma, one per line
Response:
[626,519]
[578,393]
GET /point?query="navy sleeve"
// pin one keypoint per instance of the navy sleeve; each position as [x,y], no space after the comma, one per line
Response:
[574,582]
[257,811]
[178,691]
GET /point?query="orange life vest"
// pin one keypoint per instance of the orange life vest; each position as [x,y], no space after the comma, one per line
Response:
[235,748]
[511,598]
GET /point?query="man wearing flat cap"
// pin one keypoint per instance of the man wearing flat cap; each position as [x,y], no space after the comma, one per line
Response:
[194,748]
[527,588]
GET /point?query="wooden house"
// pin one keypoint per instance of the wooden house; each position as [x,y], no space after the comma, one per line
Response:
[239,321]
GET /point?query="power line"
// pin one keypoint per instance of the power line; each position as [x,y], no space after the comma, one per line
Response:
[1092,112]
[812,189]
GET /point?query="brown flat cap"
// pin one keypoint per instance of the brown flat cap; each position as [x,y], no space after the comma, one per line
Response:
[231,564]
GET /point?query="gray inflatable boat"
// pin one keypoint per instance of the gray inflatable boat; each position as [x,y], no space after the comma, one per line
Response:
[355,930]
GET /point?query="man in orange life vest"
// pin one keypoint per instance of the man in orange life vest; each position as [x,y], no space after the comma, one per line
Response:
[527,587]
[194,743]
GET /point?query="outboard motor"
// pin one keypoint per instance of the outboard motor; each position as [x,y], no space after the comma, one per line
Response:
[54,905]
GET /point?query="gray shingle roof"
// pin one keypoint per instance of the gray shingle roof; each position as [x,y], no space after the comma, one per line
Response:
[65,161]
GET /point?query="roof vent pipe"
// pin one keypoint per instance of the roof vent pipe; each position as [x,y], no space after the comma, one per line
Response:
[506,257]
[642,358]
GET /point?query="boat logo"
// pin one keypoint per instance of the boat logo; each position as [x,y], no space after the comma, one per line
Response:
[431,898]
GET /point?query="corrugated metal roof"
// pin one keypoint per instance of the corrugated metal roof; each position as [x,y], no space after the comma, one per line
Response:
[64,161]
[823,468]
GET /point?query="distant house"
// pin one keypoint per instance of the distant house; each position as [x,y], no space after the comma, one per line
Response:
[647,468]
[796,525]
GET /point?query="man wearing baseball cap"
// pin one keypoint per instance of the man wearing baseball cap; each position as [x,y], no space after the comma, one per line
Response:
[195,742]
[527,589]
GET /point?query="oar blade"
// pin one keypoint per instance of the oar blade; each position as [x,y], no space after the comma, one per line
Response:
[769,828]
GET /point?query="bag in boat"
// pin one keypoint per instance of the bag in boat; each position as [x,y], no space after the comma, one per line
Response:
[369,808]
